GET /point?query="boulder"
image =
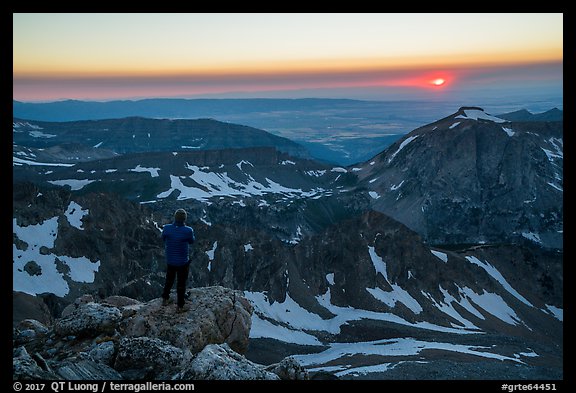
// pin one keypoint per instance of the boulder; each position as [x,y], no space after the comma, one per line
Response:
[28,330]
[212,315]
[89,320]
[84,299]
[103,352]
[150,357]
[120,301]
[220,362]
[289,369]
[24,367]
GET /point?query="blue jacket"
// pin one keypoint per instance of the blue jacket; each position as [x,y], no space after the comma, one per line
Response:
[177,237]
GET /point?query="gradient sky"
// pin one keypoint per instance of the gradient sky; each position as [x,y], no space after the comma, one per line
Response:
[129,56]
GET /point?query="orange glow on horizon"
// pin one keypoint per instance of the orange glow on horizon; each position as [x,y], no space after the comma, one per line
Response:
[99,54]
[106,68]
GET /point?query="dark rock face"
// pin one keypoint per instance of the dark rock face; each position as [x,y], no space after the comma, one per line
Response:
[472,178]
[114,236]
[27,306]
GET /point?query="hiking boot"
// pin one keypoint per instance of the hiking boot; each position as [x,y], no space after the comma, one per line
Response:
[180,309]
[166,302]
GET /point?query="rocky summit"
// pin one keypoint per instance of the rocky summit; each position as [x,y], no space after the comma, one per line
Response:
[120,338]
[439,258]
[473,177]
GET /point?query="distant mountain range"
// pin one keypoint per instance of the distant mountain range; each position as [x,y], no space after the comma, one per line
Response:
[553,114]
[443,251]
[166,108]
[137,134]
[343,132]
[176,108]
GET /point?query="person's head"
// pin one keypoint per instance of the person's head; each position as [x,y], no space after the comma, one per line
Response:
[180,215]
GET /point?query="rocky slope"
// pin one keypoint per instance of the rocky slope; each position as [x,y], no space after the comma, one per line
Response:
[120,338]
[361,279]
[471,178]
[334,279]
[138,134]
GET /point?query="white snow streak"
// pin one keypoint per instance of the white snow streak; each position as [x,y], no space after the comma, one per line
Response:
[440,255]
[475,114]
[402,146]
[492,271]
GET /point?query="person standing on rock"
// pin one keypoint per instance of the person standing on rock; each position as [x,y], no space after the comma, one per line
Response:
[177,238]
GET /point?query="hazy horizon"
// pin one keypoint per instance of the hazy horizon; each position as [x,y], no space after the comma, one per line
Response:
[105,57]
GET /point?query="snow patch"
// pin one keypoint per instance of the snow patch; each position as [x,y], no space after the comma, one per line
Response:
[210,252]
[74,214]
[476,114]
[394,187]
[316,173]
[398,294]
[153,171]
[401,347]
[508,131]
[493,304]
[330,278]
[244,162]
[402,146]
[493,272]
[213,184]
[47,278]
[20,161]
[440,255]
[74,184]
[557,312]
[532,237]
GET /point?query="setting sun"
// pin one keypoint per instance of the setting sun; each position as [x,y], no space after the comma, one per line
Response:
[438,82]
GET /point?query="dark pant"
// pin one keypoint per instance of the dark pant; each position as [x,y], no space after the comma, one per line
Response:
[172,272]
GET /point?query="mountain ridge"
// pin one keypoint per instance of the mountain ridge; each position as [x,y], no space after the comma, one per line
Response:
[476,165]
[138,134]
[312,248]
[339,131]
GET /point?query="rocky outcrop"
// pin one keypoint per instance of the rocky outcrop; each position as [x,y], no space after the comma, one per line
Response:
[212,315]
[148,358]
[89,320]
[108,235]
[220,362]
[289,369]
[120,338]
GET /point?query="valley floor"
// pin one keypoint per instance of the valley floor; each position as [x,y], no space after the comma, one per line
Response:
[451,357]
